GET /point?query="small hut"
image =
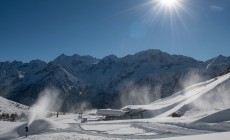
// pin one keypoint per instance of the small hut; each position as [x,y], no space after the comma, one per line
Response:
[111,114]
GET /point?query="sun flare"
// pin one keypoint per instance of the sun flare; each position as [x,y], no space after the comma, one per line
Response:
[169,3]
[170,12]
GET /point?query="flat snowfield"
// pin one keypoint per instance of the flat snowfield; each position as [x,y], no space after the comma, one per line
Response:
[69,127]
[205,109]
[214,136]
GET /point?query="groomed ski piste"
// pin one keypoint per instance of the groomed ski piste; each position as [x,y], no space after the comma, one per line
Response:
[205,109]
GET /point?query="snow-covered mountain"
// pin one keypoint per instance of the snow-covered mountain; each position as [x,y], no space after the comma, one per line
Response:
[218,63]
[23,82]
[101,82]
[204,109]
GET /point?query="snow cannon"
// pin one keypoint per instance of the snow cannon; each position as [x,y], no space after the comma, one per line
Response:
[27,130]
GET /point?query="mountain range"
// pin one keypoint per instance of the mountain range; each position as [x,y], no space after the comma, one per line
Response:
[108,82]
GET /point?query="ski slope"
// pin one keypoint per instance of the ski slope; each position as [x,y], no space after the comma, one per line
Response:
[11,107]
[165,107]
[206,115]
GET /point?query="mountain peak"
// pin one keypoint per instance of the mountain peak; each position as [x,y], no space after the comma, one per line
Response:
[37,61]
[221,57]
[150,52]
[110,57]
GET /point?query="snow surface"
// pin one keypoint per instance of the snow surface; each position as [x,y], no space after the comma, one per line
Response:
[11,107]
[215,136]
[165,107]
[196,123]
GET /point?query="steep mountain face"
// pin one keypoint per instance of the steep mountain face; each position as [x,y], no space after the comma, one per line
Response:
[24,82]
[227,70]
[218,64]
[76,63]
[103,82]
[15,74]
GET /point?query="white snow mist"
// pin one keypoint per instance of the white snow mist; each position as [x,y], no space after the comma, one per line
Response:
[47,101]
[192,77]
[217,99]
[133,94]
[81,107]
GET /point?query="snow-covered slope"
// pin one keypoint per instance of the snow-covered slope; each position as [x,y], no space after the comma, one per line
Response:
[11,107]
[200,102]
[205,107]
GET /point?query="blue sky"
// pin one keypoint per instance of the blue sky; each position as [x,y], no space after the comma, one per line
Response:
[44,29]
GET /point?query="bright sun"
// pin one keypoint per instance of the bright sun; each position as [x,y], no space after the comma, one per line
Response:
[169,3]
[169,11]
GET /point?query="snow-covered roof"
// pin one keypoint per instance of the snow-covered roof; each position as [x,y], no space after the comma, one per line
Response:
[110,112]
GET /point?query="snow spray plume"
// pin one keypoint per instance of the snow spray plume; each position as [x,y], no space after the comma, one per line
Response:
[219,98]
[81,107]
[189,79]
[192,77]
[133,94]
[47,101]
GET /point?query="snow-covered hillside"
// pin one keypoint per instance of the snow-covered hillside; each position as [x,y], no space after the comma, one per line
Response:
[196,101]
[205,109]
[11,107]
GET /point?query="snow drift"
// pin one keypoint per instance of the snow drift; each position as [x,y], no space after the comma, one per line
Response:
[36,127]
